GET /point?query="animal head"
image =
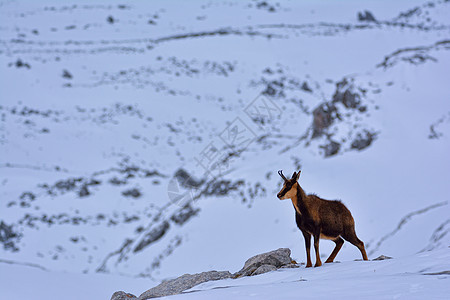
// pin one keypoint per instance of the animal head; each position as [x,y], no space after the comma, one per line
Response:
[289,189]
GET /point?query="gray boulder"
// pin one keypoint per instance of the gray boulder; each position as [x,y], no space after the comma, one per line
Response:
[276,258]
[382,257]
[120,295]
[258,264]
[182,283]
[264,269]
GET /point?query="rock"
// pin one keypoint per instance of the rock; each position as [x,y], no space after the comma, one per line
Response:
[306,87]
[21,64]
[66,74]
[264,269]
[154,235]
[184,214]
[182,283]
[6,236]
[331,148]
[110,19]
[122,296]
[84,192]
[276,258]
[187,180]
[135,193]
[221,187]
[323,117]
[366,16]
[363,140]
[382,257]
[292,265]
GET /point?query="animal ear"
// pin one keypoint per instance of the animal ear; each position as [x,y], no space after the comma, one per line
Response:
[298,175]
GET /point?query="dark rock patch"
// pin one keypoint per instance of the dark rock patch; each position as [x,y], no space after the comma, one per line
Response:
[363,140]
[135,193]
[186,180]
[67,75]
[154,235]
[7,236]
[120,295]
[110,20]
[221,187]
[184,214]
[366,16]
[330,149]
[323,117]
[345,93]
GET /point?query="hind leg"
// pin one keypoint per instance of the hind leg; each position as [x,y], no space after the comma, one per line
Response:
[351,237]
[339,242]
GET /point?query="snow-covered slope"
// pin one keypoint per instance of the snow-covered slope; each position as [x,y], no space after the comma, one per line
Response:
[419,276]
[143,139]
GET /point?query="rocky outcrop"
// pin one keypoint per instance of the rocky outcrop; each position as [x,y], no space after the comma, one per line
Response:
[154,235]
[256,265]
[121,295]
[366,16]
[182,283]
[323,117]
[363,140]
[266,262]
[7,237]
[382,257]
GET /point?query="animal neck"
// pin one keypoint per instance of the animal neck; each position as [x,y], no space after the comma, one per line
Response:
[299,200]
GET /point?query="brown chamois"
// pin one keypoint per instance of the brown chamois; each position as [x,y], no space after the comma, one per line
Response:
[323,219]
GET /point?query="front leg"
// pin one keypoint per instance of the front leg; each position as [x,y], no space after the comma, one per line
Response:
[316,248]
[307,237]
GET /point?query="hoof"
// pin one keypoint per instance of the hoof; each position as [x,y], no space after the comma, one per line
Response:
[308,266]
[328,261]
[317,265]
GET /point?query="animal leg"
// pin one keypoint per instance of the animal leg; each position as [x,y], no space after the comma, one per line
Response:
[339,242]
[316,248]
[307,237]
[353,239]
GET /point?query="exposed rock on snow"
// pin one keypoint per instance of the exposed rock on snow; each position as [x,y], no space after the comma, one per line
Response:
[382,257]
[366,16]
[331,148]
[181,216]
[153,236]
[182,283]
[122,296]
[6,236]
[277,259]
[346,94]
[323,117]
[363,140]
[186,180]
[264,269]
[258,264]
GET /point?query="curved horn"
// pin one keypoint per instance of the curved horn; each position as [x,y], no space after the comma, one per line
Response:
[281,174]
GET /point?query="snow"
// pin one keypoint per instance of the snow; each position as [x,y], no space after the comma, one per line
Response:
[418,276]
[135,100]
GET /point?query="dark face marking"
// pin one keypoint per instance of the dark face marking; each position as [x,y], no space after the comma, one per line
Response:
[287,186]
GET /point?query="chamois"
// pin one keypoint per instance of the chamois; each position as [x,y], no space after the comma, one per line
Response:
[323,219]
